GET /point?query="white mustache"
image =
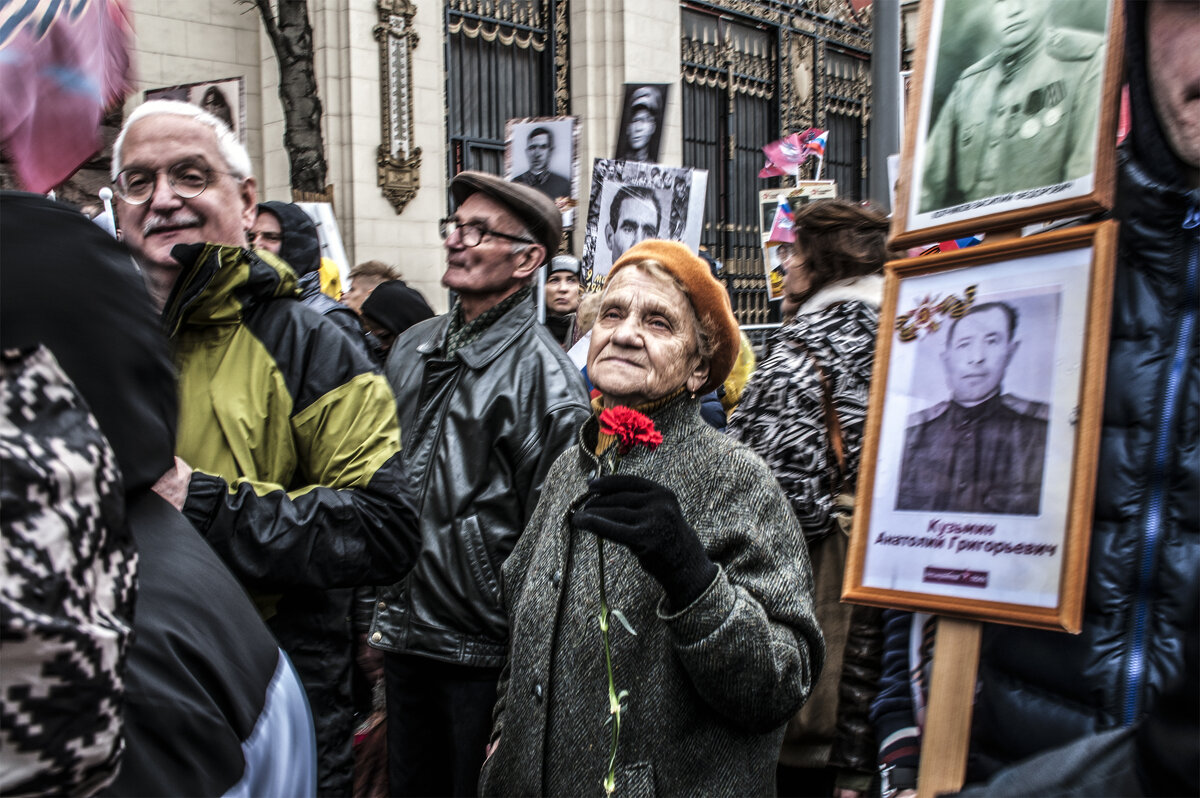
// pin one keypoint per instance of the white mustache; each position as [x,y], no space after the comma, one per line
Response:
[155,222]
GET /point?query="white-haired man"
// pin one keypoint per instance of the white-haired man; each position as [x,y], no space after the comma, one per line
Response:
[294,437]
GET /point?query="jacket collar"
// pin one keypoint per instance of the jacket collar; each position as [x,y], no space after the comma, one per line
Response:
[867,288]
[502,334]
[677,421]
[217,283]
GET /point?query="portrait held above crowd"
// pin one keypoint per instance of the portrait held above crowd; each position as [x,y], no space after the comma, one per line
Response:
[273,525]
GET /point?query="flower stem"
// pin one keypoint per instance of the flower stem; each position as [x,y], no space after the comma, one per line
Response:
[614,705]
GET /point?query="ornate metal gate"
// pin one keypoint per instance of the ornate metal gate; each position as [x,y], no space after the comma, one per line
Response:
[505,59]
[754,71]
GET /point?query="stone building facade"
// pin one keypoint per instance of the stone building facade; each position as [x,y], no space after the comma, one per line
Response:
[413,91]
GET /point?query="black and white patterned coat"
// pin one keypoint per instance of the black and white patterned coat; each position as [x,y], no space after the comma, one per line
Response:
[781,415]
[66,586]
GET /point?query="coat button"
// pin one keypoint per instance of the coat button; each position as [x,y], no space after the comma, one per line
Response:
[556,579]
[376,637]
[383,605]
[537,692]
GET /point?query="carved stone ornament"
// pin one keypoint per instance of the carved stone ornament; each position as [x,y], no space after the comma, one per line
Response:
[399,162]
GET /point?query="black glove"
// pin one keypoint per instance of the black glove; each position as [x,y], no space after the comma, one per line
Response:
[645,517]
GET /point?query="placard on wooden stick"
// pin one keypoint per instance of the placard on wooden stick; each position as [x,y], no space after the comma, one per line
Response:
[979,458]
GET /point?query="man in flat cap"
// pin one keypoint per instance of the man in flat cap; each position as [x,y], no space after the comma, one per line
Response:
[640,124]
[487,400]
[1022,117]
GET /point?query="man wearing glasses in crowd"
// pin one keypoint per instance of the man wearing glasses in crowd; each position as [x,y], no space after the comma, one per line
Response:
[487,401]
[298,484]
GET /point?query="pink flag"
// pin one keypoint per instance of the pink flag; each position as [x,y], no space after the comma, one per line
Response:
[771,170]
[786,154]
[782,226]
[61,65]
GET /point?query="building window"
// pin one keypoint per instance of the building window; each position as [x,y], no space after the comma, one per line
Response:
[505,59]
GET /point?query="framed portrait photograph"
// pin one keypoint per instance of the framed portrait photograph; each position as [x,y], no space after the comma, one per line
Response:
[631,202]
[768,204]
[639,138]
[978,470]
[1012,118]
[225,99]
[543,152]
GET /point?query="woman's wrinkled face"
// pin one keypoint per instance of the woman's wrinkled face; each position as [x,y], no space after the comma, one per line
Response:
[644,343]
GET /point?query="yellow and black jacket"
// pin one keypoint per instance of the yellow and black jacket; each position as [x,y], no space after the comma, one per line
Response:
[298,484]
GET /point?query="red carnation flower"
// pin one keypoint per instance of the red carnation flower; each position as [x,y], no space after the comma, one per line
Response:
[630,427]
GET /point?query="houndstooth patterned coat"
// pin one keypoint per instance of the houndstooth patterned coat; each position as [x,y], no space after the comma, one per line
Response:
[66,586]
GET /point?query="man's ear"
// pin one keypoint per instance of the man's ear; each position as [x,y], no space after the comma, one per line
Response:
[248,193]
[531,261]
[608,236]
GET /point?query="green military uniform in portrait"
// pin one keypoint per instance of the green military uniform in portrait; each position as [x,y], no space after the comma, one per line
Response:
[1017,123]
[983,459]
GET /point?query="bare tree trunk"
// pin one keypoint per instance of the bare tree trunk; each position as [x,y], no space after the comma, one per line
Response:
[291,36]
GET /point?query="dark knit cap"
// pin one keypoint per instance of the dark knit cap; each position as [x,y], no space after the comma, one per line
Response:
[396,307]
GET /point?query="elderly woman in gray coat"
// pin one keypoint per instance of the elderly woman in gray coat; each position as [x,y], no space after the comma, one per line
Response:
[702,558]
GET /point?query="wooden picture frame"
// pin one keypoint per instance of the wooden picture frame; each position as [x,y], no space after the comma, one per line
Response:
[992,147]
[1002,537]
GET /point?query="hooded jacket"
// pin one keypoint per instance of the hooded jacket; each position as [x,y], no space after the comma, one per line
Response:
[298,483]
[301,250]
[1041,689]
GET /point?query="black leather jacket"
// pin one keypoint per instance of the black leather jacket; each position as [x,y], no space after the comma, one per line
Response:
[479,431]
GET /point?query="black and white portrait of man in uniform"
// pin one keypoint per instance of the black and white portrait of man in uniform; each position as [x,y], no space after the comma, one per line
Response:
[1023,116]
[539,149]
[982,450]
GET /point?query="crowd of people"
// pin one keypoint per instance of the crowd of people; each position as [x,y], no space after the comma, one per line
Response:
[266,537]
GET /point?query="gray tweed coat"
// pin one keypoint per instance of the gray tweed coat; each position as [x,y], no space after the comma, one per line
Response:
[711,686]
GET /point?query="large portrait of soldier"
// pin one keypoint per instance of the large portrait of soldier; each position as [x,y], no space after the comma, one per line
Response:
[543,152]
[1014,116]
[631,202]
[978,465]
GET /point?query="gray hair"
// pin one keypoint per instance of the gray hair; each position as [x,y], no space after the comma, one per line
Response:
[237,160]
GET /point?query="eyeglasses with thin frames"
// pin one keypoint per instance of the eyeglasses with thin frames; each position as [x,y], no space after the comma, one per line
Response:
[186,178]
[471,233]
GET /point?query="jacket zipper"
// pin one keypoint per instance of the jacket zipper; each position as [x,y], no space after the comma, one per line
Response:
[1152,526]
